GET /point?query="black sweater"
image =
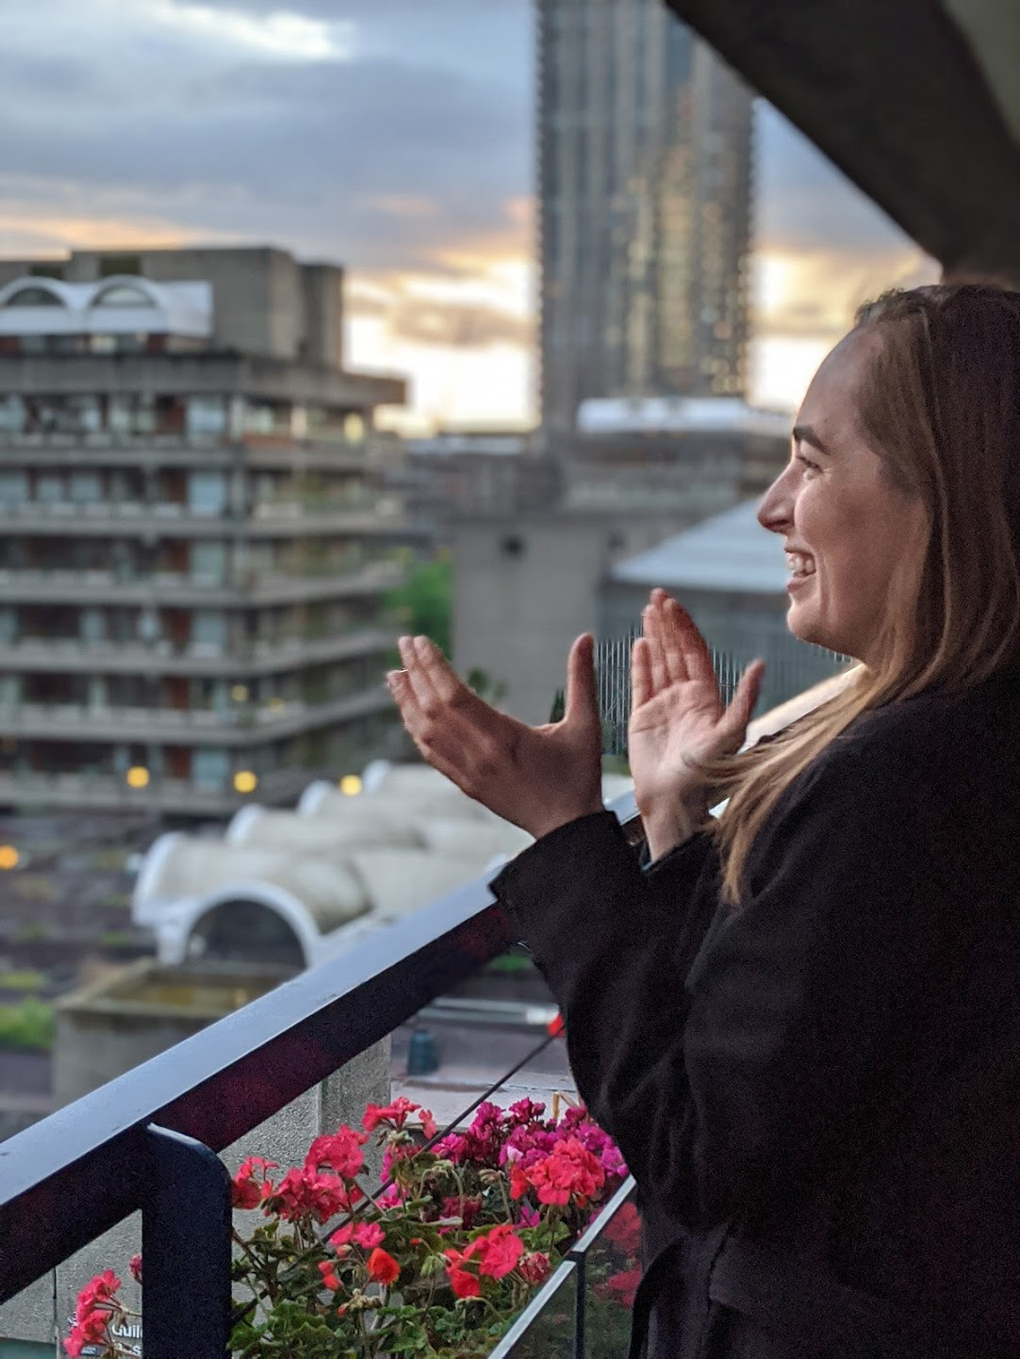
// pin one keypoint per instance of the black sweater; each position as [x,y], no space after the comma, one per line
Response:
[833,1068]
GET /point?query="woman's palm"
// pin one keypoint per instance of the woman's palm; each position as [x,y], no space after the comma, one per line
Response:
[678,719]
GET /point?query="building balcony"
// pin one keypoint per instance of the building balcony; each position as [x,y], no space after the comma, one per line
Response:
[46,586]
[161,796]
[196,450]
[70,655]
[241,726]
[64,1182]
[312,516]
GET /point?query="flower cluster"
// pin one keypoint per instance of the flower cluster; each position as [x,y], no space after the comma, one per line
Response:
[436,1262]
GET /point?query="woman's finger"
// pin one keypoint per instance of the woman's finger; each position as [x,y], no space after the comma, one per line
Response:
[640,673]
[697,658]
[656,661]
[742,705]
[582,705]
[672,639]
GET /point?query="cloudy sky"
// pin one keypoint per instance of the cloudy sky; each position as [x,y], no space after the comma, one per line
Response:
[391,135]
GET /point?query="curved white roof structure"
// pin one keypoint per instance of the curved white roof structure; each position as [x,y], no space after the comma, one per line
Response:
[334,870]
[122,303]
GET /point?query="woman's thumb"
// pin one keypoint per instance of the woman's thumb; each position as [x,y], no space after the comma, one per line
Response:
[742,705]
[582,699]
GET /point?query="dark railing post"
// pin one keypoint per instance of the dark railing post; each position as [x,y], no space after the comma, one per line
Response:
[185,1249]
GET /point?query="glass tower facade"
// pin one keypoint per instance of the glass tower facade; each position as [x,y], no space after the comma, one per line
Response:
[644,165]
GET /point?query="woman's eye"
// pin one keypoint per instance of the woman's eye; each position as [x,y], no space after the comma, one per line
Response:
[808,463]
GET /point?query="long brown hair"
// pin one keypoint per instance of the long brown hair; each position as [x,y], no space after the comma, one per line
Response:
[940,404]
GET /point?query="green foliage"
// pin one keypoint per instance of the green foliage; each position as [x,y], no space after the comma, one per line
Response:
[511,962]
[25,980]
[116,939]
[493,691]
[28,1025]
[422,604]
[32,932]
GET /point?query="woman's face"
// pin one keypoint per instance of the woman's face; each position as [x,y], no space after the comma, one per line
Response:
[845,527]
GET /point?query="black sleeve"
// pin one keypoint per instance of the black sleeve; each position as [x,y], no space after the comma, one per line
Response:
[713,1076]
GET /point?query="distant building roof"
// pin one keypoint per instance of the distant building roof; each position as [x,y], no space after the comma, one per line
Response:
[122,303]
[679,414]
[730,551]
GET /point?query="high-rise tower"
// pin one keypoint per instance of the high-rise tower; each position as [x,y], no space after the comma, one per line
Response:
[644,141]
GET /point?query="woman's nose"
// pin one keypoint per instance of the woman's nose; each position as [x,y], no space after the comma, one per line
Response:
[776,509]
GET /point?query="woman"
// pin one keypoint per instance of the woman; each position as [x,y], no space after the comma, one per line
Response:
[802,1022]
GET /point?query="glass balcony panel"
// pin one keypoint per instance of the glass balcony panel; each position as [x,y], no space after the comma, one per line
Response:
[547,1328]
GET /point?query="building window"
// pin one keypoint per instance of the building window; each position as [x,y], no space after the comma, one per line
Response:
[109,265]
[122,295]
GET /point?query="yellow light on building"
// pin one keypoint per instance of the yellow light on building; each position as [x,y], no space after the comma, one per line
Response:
[137,776]
[245,781]
[239,693]
[275,704]
[8,856]
[350,785]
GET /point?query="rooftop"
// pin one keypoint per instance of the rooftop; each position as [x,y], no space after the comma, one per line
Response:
[730,551]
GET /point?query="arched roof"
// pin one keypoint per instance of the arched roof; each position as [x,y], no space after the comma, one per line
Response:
[176,308]
[138,289]
[63,294]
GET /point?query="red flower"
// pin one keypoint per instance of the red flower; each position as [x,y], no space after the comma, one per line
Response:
[534,1267]
[329,1278]
[89,1329]
[382,1267]
[394,1114]
[341,1151]
[624,1230]
[245,1190]
[623,1286]
[464,1285]
[307,1193]
[369,1234]
[135,1266]
[467,1208]
[555,1027]
[100,1289]
[500,1250]
[519,1182]
[570,1172]
[342,1236]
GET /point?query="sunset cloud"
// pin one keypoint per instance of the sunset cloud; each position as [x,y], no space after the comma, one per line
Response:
[394,137]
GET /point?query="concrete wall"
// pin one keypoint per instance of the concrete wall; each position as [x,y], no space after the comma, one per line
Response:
[264,301]
[525,587]
[324,313]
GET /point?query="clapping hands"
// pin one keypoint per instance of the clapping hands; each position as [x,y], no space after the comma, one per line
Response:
[541,777]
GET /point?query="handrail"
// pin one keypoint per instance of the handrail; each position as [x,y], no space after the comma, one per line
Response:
[72,1176]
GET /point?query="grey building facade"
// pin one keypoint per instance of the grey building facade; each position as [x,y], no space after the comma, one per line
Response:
[644,185]
[195,539]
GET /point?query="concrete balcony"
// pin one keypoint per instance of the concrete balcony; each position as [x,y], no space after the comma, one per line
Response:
[274,519]
[69,655]
[241,726]
[183,796]
[205,451]
[179,588]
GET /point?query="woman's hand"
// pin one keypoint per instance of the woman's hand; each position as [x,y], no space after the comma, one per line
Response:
[537,777]
[678,720]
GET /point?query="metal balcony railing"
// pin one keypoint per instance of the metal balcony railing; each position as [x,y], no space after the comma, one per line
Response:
[149,1139]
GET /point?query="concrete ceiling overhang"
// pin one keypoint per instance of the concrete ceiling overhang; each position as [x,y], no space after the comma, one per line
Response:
[917,102]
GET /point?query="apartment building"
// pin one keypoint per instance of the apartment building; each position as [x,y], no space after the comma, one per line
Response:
[195,539]
[644,194]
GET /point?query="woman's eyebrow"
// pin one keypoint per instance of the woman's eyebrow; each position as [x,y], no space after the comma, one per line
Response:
[804,434]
